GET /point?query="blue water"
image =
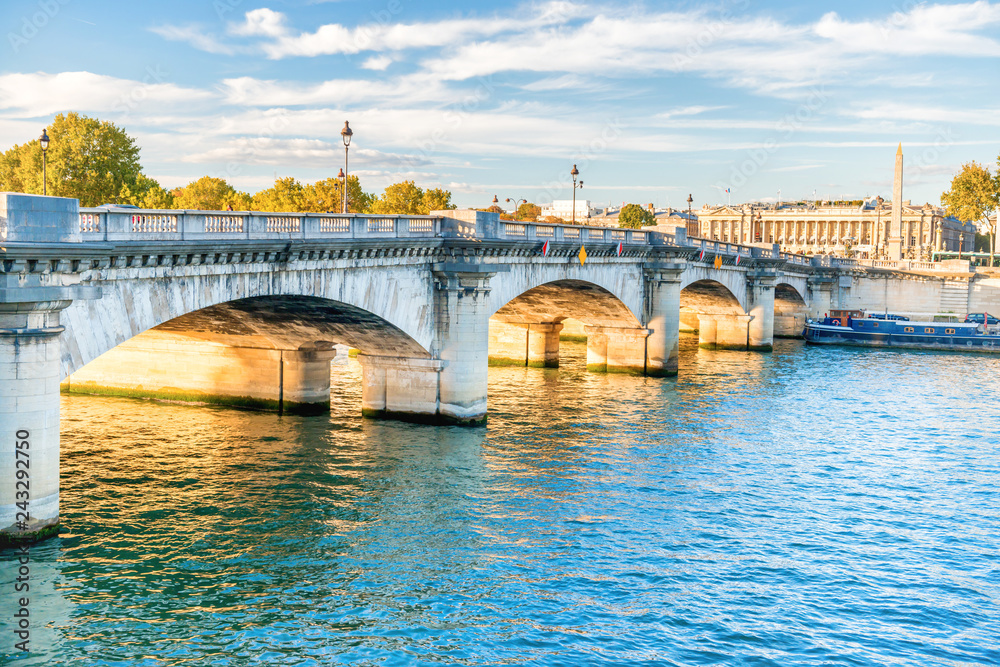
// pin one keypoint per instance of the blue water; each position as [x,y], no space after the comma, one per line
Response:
[813,506]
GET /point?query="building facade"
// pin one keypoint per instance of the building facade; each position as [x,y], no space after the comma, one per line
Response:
[814,228]
[563,208]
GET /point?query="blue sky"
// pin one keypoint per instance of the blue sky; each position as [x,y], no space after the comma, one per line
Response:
[652,101]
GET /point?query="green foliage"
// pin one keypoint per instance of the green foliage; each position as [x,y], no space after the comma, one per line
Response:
[634,216]
[436,199]
[287,194]
[400,198]
[209,193]
[327,195]
[87,159]
[146,193]
[528,212]
[974,193]
[407,199]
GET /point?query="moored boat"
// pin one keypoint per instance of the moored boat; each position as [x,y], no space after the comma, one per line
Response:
[886,330]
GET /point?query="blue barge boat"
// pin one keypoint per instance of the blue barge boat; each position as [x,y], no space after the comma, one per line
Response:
[886,330]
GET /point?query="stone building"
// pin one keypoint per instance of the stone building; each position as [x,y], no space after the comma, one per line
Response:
[860,231]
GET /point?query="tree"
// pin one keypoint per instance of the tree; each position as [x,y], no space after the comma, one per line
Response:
[634,216]
[327,196]
[436,199]
[974,194]
[528,212]
[146,193]
[287,195]
[87,159]
[209,193]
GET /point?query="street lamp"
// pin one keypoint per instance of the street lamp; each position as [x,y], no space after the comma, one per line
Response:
[44,141]
[517,204]
[346,135]
[574,173]
[343,183]
[878,224]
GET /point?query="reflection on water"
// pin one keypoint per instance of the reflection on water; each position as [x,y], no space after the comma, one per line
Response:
[810,506]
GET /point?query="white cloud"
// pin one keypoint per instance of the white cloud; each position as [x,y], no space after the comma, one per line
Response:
[195,36]
[334,38]
[41,94]
[377,63]
[940,115]
[924,30]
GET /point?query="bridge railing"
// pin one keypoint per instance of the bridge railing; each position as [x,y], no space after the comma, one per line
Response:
[518,230]
[166,225]
[104,224]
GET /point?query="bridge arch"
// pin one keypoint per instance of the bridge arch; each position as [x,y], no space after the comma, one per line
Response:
[234,339]
[712,309]
[399,298]
[790,311]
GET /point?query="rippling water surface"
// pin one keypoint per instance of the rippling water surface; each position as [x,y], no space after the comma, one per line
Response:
[811,506]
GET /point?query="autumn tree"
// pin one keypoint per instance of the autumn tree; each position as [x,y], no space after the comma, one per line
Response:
[528,212]
[407,198]
[146,193]
[327,196]
[634,216]
[210,193]
[974,194]
[436,199]
[87,159]
[286,195]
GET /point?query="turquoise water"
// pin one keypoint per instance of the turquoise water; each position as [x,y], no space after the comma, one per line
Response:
[814,506]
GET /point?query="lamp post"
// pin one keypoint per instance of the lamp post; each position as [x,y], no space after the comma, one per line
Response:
[689,200]
[346,135]
[574,173]
[343,183]
[517,203]
[44,141]
[878,225]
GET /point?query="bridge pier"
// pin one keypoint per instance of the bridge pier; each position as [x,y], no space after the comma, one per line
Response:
[821,289]
[32,296]
[29,421]
[664,311]
[761,325]
[400,388]
[720,331]
[616,350]
[462,339]
[518,344]
[165,365]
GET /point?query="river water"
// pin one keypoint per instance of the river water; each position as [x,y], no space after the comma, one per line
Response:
[813,506]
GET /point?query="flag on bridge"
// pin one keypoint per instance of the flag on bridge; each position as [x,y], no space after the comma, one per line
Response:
[582,255]
[620,248]
[718,261]
[737,259]
[545,249]
[701,255]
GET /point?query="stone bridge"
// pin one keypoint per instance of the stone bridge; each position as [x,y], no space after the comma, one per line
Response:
[247,308]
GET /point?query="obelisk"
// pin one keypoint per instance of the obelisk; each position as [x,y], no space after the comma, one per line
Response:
[894,247]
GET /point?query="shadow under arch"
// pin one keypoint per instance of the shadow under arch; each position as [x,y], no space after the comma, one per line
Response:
[263,352]
[526,330]
[790,311]
[710,309]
